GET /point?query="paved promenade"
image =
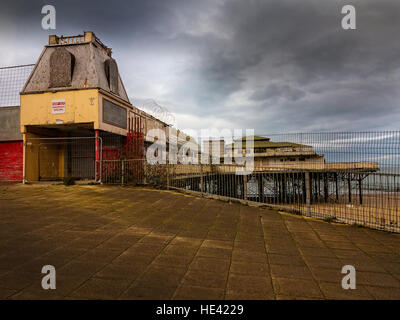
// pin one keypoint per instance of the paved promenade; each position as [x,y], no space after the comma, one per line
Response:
[135,243]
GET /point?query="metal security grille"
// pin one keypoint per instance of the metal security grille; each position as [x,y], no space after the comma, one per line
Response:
[58,158]
[12,81]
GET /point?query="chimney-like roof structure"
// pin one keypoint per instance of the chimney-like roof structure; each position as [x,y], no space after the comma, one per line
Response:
[75,62]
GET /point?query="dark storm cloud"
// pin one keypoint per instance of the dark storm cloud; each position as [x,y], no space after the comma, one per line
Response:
[274,91]
[272,65]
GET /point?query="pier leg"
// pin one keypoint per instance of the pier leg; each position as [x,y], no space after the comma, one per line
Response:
[244,187]
[279,178]
[316,186]
[284,188]
[336,186]
[349,186]
[319,186]
[308,193]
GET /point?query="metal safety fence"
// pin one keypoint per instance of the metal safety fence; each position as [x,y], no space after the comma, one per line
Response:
[369,199]
[344,196]
[135,172]
[345,177]
[51,158]
[12,81]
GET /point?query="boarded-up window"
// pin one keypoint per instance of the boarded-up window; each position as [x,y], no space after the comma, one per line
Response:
[114,114]
[61,68]
[111,70]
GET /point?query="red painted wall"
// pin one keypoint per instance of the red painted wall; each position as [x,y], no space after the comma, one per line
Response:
[11,160]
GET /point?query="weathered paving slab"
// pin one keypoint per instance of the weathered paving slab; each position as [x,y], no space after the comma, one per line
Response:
[137,243]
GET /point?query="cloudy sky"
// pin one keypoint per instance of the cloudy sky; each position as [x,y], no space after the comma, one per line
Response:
[272,65]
